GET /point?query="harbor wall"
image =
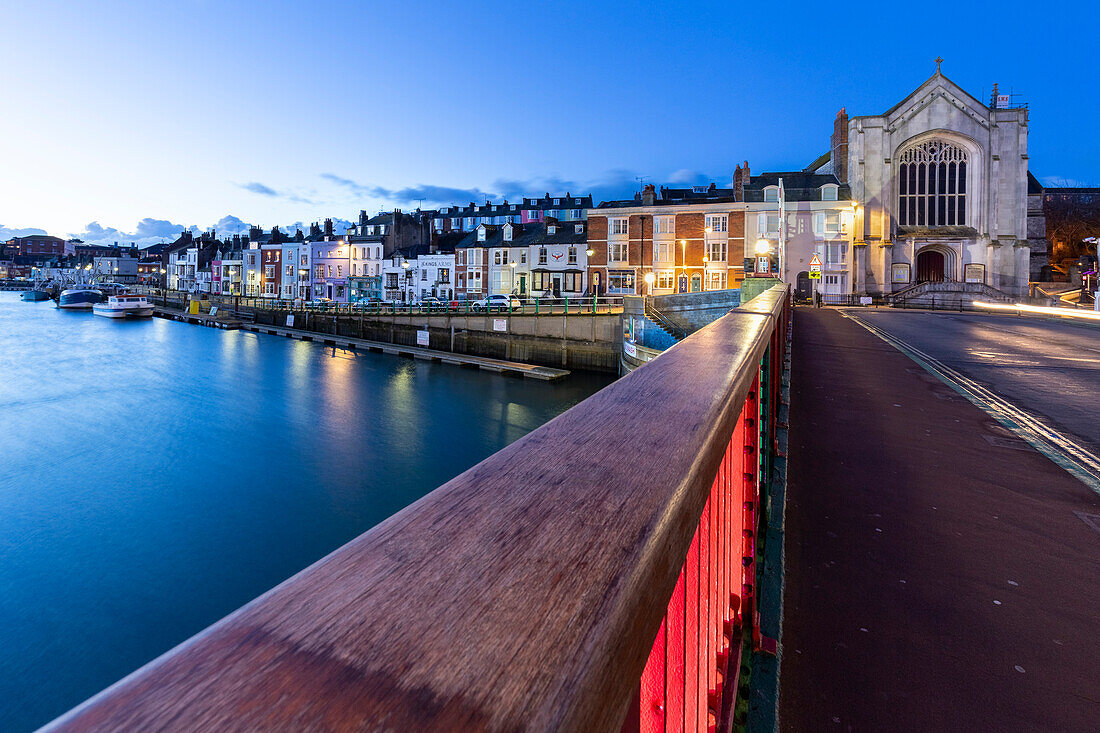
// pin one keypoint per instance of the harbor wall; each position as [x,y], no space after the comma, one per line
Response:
[575,341]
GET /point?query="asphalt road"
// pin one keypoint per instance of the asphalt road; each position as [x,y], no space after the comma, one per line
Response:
[1050,368]
[940,573]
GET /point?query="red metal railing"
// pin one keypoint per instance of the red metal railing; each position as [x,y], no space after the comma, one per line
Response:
[598,573]
[691,675]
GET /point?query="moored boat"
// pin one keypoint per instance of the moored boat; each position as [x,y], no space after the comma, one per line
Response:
[124,305]
[35,294]
[79,298]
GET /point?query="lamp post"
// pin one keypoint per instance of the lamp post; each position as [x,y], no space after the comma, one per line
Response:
[649,278]
[706,259]
[683,261]
[513,264]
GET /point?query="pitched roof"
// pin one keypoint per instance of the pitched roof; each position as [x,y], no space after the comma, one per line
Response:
[797,186]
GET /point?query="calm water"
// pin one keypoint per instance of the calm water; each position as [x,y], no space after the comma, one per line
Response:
[154,476]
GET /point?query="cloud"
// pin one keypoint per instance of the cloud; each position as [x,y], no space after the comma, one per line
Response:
[1064,182]
[7,233]
[259,188]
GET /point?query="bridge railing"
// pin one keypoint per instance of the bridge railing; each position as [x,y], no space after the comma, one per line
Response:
[597,574]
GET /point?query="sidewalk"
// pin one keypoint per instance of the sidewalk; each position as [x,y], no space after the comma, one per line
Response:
[938,577]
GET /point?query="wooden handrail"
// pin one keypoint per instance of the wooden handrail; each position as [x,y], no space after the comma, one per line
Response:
[523,594]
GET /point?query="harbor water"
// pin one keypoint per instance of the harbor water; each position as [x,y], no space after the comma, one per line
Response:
[155,476]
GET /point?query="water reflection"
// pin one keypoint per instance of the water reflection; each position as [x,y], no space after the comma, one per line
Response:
[158,475]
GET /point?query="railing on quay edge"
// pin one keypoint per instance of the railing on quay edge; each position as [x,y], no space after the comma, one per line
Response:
[531,307]
[614,589]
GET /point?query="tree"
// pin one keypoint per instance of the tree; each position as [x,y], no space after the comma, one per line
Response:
[1070,218]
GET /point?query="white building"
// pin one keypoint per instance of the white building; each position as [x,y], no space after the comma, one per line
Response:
[115,269]
[941,184]
[432,274]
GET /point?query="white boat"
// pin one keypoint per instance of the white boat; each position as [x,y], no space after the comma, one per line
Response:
[124,305]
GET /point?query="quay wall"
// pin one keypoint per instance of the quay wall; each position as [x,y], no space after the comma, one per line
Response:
[576,341]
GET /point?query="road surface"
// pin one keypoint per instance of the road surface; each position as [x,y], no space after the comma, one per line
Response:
[940,573]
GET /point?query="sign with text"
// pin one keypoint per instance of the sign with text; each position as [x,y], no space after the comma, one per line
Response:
[974,273]
[422,338]
[500,324]
[899,273]
[290,320]
[630,349]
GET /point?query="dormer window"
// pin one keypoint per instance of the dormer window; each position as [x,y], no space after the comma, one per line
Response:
[551,229]
[481,234]
[508,233]
[557,202]
[578,229]
[771,194]
[829,192]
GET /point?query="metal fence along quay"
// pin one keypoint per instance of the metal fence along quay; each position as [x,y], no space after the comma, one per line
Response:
[598,574]
[530,307]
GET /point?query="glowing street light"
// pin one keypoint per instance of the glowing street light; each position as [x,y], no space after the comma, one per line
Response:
[763,246]
[649,278]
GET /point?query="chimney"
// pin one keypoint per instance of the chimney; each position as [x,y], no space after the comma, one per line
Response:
[839,148]
[738,189]
[649,195]
[328,228]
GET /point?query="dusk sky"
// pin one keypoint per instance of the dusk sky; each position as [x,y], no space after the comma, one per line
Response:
[130,120]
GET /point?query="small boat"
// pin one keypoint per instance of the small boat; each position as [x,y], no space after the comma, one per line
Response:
[79,298]
[35,294]
[124,305]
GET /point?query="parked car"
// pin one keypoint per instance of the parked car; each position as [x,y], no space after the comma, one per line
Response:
[432,303]
[498,302]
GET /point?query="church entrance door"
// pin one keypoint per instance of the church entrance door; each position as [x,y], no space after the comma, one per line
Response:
[930,267]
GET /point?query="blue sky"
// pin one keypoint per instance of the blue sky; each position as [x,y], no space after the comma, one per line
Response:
[130,120]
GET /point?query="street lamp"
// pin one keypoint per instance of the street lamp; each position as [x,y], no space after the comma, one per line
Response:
[649,278]
[763,246]
[683,259]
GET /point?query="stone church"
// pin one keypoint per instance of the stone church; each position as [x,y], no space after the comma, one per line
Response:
[940,183]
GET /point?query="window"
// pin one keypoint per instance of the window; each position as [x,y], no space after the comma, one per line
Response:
[578,228]
[716,280]
[391,280]
[576,214]
[289,270]
[481,234]
[423,274]
[551,229]
[716,251]
[616,252]
[832,222]
[572,255]
[771,193]
[496,256]
[572,282]
[445,275]
[618,226]
[507,234]
[665,279]
[662,251]
[269,272]
[339,271]
[835,253]
[557,202]
[664,225]
[523,257]
[932,185]
[542,255]
[620,282]
[828,192]
[305,260]
[718,222]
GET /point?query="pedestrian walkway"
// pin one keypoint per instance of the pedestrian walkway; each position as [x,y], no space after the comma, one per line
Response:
[941,574]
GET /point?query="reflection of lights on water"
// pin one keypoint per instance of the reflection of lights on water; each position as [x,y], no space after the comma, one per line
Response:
[336,379]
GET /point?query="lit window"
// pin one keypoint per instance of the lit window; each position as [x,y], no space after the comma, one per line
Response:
[932,184]
[618,226]
[828,192]
[718,222]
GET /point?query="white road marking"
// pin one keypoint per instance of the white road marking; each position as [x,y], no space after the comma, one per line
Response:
[1061,449]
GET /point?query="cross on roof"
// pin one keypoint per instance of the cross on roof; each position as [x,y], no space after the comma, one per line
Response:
[939,60]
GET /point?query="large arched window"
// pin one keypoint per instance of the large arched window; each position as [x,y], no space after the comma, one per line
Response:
[932,184]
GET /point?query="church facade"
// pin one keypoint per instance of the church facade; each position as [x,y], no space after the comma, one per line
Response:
[940,183]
